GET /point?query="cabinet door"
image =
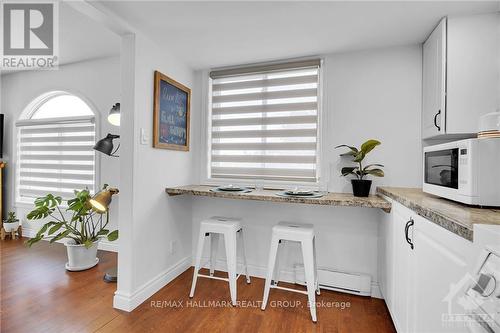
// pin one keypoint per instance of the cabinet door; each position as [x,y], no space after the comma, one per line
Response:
[401,274]
[386,258]
[434,83]
[472,70]
[439,265]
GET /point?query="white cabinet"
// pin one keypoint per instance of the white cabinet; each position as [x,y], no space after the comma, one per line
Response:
[416,282]
[434,82]
[460,75]
[439,262]
[402,278]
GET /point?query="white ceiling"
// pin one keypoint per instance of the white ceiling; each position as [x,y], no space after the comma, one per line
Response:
[81,38]
[210,34]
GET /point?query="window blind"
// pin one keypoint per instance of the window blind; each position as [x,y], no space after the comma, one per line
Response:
[264,125]
[55,157]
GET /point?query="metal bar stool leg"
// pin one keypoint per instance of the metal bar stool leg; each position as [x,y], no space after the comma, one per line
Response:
[230,244]
[270,269]
[242,241]
[214,244]
[199,251]
[308,254]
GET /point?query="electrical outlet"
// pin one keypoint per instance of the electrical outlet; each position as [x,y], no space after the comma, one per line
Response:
[173,247]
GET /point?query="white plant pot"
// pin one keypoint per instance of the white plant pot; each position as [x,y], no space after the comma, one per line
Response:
[11,226]
[79,257]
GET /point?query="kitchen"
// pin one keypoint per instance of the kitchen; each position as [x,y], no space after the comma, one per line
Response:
[433,82]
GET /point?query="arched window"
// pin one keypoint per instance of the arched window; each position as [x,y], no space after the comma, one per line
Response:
[55,138]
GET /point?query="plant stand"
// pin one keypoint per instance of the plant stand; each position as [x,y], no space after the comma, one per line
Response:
[12,234]
[111,275]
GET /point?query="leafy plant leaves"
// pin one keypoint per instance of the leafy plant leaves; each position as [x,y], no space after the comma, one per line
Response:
[33,240]
[44,228]
[348,170]
[88,243]
[375,172]
[358,155]
[49,201]
[113,235]
[56,227]
[103,232]
[60,236]
[352,152]
[372,165]
[40,212]
[80,203]
[65,226]
[368,146]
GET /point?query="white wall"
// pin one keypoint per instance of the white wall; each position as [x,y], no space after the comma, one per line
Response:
[149,221]
[376,94]
[370,94]
[97,81]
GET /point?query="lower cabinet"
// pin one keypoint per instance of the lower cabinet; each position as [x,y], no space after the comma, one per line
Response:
[422,269]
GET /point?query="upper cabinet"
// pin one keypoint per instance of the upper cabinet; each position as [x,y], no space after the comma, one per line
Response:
[434,82]
[460,75]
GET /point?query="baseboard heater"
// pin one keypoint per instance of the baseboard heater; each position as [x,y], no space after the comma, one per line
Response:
[351,283]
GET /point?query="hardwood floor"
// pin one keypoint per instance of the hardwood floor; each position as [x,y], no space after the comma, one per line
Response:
[39,295]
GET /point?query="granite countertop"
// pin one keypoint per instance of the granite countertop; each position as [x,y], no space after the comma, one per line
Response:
[455,217]
[331,199]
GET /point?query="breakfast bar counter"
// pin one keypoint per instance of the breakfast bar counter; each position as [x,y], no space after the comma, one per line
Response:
[329,199]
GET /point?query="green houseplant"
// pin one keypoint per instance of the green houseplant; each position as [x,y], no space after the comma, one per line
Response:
[80,223]
[11,223]
[360,185]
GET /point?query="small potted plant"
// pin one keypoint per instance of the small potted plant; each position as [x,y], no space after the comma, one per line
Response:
[11,223]
[361,186]
[82,224]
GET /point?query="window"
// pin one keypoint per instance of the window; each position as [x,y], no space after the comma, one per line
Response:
[264,122]
[55,153]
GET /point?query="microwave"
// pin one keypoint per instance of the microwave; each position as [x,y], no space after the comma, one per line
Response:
[467,171]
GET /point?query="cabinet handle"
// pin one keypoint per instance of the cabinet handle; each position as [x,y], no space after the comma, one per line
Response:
[407,228]
[435,120]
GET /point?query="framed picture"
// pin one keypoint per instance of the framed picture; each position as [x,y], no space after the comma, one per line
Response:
[171,113]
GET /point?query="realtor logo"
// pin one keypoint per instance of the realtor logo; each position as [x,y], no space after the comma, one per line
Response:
[29,35]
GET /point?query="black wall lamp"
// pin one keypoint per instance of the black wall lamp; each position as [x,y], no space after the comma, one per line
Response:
[105,145]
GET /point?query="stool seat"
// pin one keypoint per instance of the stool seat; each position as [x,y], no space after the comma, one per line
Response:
[220,224]
[304,234]
[230,228]
[294,231]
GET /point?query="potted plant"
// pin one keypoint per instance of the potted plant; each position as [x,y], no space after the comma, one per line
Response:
[11,223]
[82,225]
[361,186]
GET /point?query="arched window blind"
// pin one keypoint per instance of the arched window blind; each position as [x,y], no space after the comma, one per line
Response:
[264,122]
[55,152]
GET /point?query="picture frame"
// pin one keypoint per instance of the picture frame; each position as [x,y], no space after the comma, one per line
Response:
[171,113]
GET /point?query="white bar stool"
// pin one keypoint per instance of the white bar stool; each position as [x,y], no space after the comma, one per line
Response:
[303,233]
[228,227]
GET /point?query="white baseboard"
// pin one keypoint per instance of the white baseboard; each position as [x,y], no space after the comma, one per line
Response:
[103,245]
[285,275]
[376,290]
[129,301]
